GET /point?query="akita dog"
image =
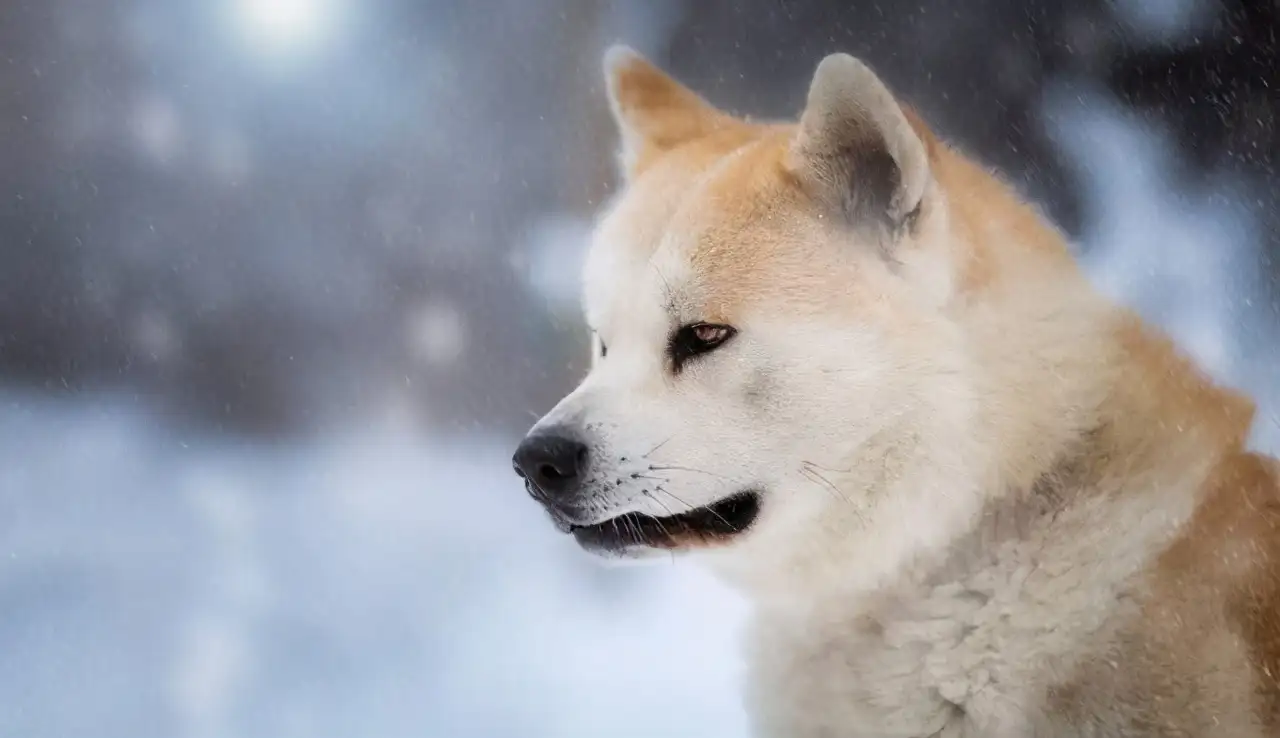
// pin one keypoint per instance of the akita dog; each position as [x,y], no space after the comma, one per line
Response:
[870,386]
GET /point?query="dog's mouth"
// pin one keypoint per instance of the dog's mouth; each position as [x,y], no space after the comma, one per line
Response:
[701,527]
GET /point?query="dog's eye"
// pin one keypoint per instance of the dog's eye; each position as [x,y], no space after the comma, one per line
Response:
[696,338]
[604,350]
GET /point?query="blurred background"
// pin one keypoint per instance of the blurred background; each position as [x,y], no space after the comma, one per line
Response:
[283,281]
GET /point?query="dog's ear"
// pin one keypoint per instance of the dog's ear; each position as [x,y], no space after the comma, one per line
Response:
[857,149]
[654,112]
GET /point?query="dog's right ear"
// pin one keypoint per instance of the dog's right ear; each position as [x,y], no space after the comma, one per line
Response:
[858,150]
[654,112]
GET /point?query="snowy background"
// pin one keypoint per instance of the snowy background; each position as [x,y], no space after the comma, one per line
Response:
[283,281]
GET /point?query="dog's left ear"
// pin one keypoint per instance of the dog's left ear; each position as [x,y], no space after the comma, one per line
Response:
[654,113]
[857,150]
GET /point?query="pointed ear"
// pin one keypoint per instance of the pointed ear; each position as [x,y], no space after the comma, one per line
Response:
[858,150]
[654,113]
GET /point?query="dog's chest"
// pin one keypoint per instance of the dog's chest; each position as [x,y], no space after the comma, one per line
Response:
[953,660]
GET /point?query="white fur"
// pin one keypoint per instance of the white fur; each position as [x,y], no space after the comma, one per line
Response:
[907,582]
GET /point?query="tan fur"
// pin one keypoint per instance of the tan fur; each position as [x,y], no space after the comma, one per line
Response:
[1045,523]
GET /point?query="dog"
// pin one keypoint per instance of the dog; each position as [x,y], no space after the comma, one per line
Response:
[853,372]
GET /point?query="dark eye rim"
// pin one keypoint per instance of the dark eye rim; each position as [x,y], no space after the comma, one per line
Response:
[685,343]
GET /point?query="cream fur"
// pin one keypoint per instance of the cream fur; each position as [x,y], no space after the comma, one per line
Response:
[994,504]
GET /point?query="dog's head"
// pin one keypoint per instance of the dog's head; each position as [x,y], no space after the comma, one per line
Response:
[767,308]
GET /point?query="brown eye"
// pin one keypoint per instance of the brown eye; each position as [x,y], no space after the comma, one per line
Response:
[711,335]
[695,339]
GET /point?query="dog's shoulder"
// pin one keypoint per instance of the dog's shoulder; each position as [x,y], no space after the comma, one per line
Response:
[1230,553]
[1202,652]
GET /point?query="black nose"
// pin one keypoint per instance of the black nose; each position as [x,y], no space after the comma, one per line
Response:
[552,461]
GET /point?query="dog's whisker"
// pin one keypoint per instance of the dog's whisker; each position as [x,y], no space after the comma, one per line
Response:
[666,492]
[649,494]
[635,529]
[693,470]
[649,477]
[825,468]
[711,510]
[809,473]
[655,448]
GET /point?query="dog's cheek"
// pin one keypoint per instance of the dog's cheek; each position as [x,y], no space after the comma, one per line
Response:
[759,390]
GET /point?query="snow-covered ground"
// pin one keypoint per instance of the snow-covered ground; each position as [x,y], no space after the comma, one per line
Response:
[378,583]
[159,584]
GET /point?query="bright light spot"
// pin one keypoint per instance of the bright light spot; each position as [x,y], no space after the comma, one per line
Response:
[287,25]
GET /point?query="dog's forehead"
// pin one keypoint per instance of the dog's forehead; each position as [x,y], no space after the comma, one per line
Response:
[631,282]
[691,238]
